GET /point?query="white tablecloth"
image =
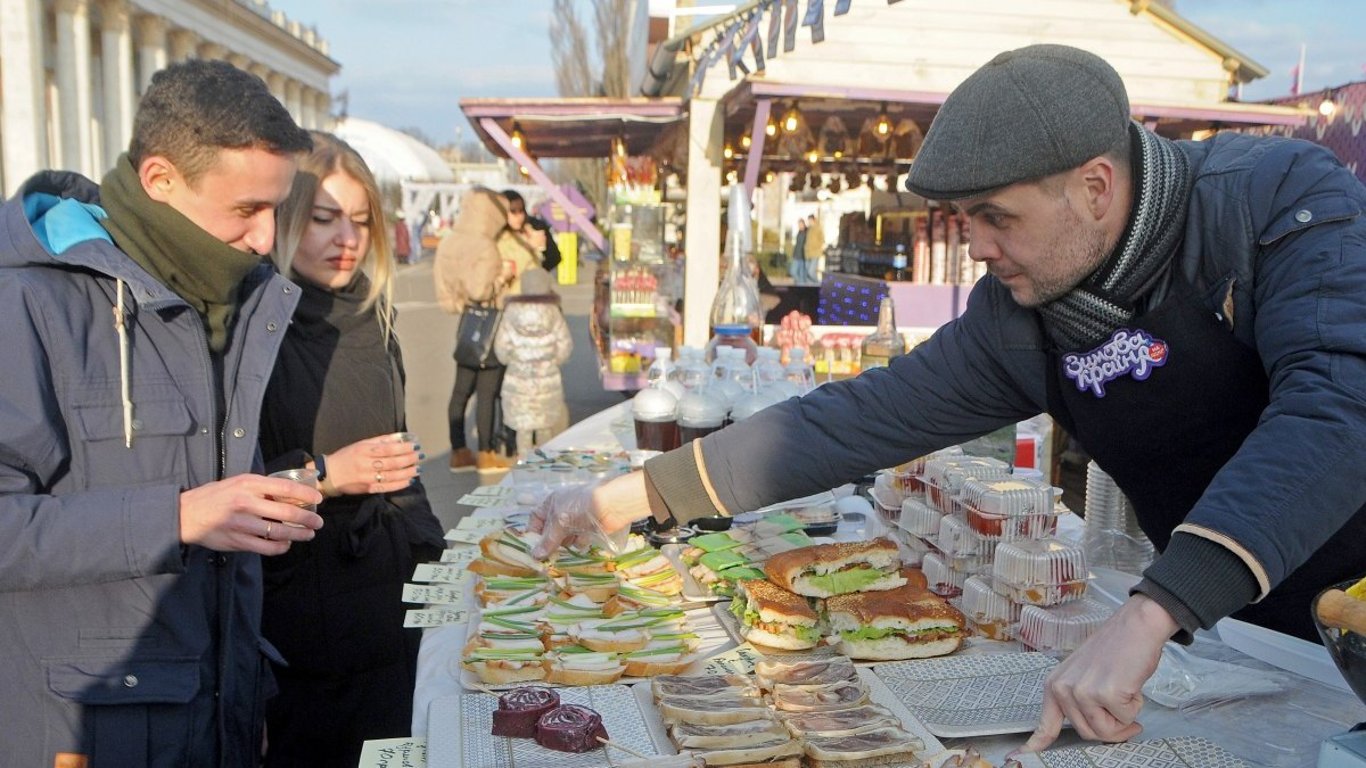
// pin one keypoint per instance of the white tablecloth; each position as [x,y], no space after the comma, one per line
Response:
[1280,730]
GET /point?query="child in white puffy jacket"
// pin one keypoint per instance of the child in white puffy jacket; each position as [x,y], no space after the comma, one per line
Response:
[533,341]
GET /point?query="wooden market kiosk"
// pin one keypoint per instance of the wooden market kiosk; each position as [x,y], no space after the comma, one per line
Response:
[707,95]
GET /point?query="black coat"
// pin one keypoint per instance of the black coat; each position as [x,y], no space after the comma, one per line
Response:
[332,605]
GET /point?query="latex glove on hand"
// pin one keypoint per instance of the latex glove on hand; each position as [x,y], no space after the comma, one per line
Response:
[1099,688]
[599,513]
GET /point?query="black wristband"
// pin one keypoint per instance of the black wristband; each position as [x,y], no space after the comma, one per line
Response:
[320,464]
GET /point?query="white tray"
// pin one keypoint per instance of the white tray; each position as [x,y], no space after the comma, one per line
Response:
[1184,752]
[878,693]
[712,639]
[974,695]
[459,732]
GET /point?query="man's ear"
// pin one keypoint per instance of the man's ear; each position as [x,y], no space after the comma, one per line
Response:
[1100,180]
[159,177]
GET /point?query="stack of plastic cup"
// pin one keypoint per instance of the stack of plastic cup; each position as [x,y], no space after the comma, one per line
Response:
[1112,538]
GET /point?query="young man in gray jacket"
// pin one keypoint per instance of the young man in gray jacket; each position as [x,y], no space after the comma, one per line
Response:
[1193,312]
[140,328]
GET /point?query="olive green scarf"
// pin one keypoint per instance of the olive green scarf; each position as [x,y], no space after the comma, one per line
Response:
[202,270]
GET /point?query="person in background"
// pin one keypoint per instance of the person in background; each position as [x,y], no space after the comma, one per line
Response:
[335,404]
[403,242]
[797,269]
[815,247]
[140,327]
[522,246]
[469,268]
[1190,311]
[533,341]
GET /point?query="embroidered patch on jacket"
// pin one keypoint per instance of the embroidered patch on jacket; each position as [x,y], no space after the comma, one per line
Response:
[1127,353]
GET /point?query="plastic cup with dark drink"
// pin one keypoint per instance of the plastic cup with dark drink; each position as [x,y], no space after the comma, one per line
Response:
[699,414]
[654,413]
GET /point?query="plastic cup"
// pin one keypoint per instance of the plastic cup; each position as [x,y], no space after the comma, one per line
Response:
[308,477]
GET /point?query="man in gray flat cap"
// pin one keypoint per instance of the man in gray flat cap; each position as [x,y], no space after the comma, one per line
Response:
[1194,313]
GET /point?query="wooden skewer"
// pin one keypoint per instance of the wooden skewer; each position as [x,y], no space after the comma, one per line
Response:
[485,689]
[627,750]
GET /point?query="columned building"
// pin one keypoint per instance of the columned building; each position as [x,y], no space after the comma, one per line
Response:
[72,71]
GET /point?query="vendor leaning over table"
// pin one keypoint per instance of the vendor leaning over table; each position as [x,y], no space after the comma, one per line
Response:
[1193,312]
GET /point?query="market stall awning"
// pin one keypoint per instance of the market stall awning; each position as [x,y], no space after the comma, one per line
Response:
[575,127]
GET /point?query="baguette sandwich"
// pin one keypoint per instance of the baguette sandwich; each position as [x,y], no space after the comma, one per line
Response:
[825,570]
[773,617]
[883,746]
[897,624]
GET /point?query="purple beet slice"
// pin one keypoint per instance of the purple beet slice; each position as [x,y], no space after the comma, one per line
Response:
[520,708]
[570,728]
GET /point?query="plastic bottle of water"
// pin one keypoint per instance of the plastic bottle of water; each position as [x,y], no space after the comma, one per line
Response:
[693,374]
[800,372]
[663,374]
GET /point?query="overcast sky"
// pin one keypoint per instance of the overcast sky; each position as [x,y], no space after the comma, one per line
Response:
[407,63]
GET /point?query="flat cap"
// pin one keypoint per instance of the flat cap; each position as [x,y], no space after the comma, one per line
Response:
[1025,114]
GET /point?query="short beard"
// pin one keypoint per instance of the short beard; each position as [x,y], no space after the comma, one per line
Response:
[1079,250]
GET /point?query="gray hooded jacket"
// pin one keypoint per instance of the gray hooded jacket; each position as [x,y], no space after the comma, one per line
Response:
[116,641]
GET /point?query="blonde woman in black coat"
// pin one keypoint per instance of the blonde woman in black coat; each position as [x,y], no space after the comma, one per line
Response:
[335,404]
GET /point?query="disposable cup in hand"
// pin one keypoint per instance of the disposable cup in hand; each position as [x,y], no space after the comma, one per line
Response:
[308,477]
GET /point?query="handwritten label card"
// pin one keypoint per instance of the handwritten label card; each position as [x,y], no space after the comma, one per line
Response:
[464,536]
[489,496]
[484,524]
[432,594]
[393,753]
[446,573]
[460,556]
[434,617]
[739,660]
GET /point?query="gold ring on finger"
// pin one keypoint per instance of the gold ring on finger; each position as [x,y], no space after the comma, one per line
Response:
[269,525]
[379,477]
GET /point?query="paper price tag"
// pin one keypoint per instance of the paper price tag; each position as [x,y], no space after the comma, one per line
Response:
[471,500]
[393,753]
[493,490]
[431,594]
[434,617]
[739,660]
[444,574]
[460,556]
[464,536]
[484,524]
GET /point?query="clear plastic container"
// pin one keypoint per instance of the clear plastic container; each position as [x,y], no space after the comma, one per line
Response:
[913,548]
[919,518]
[1046,572]
[945,475]
[992,615]
[961,548]
[907,476]
[942,579]
[886,501]
[1009,508]
[655,413]
[1063,628]
[700,414]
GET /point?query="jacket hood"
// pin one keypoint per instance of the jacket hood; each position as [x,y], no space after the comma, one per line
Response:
[531,315]
[481,214]
[54,221]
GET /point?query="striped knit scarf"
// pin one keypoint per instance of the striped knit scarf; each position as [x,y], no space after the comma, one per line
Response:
[1108,299]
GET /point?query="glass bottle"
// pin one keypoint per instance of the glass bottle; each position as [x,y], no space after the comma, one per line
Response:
[898,273]
[886,342]
[736,317]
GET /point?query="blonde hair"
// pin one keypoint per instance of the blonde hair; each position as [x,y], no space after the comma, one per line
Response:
[330,156]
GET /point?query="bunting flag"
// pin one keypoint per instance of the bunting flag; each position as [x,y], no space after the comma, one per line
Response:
[756,44]
[731,33]
[842,6]
[789,25]
[815,18]
[1295,80]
